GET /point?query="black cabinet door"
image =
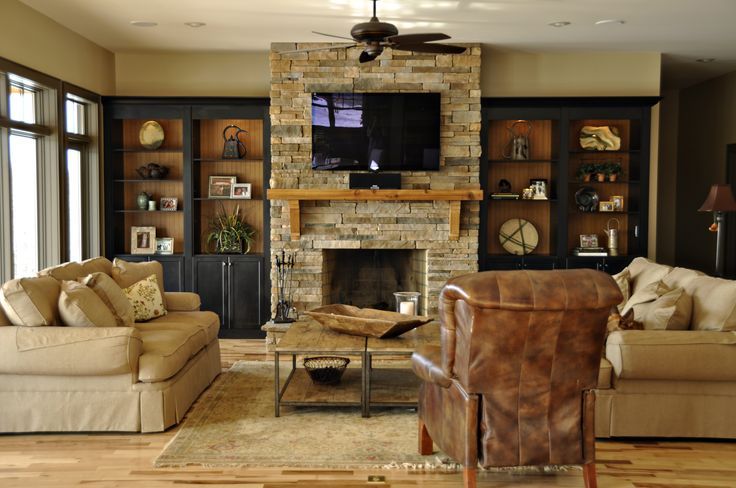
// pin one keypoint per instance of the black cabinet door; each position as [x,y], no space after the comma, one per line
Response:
[173,272]
[245,278]
[586,262]
[505,263]
[210,282]
[540,262]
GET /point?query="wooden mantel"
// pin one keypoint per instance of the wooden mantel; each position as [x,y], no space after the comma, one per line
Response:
[295,196]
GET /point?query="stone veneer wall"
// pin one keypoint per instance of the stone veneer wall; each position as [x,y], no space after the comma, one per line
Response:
[376,224]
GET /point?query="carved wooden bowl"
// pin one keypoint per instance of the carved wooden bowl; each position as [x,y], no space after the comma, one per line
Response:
[366,322]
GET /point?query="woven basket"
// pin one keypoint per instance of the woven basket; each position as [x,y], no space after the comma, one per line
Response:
[326,370]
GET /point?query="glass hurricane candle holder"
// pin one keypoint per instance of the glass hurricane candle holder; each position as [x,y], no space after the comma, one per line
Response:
[407,302]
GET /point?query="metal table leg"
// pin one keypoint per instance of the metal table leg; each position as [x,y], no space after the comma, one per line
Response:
[277,396]
[365,399]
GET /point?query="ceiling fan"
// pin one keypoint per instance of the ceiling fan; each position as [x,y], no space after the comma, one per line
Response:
[374,36]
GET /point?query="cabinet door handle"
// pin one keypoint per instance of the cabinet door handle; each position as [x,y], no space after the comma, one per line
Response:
[229,293]
[224,291]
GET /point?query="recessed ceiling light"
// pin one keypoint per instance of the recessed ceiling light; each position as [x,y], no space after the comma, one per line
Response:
[143,23]
[195,24]
[610,21]
[561,23]
[705,60]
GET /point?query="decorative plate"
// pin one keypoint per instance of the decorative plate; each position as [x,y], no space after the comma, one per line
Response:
[586,199]
[366,322]
[518,236]
[151,135]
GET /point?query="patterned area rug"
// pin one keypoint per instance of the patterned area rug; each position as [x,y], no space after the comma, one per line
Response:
[233,425]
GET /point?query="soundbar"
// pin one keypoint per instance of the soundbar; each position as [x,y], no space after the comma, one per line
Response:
[375,181]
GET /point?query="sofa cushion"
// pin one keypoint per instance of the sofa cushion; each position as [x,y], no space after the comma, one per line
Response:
[657,306]
[643,272]
[714,303]
[31,301]
[65,271]
[125,273]
[112,295]
[604,374]
[207,322]
[680,277]
[4,320]
[99,264]
[165,352]
[79,306]
[672,355]
[146,299]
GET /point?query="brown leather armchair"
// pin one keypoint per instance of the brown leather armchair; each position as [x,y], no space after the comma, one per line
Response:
[511,383]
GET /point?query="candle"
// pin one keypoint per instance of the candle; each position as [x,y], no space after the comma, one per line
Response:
[406,308]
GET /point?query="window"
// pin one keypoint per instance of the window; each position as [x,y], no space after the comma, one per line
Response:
[49,172]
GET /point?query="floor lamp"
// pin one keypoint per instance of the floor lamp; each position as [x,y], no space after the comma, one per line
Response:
[720,200]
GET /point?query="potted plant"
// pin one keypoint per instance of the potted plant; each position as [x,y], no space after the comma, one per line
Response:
[585,170]
[613,170]
[600,171]
[230,233]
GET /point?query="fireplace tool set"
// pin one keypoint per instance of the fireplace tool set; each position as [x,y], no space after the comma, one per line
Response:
[284,268]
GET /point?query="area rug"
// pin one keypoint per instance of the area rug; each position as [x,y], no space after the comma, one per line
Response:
[233,424]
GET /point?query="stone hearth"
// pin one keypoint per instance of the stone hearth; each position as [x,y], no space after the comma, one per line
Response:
[398,225]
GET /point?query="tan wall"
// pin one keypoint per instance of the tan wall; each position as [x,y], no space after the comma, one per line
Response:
[30,38]
[508,73]
[213,74]
[707,125]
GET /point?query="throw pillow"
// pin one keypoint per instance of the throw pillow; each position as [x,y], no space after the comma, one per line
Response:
[659,307]
[127,274]
[623,279]
[112,295]
[31,301]
[79,306]
[146,299]
[714,303]
[64,271]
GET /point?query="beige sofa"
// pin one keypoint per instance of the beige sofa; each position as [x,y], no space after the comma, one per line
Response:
[142,378]
[673,383]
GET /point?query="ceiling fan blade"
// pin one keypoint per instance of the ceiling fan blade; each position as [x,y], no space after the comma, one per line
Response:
[333,35]
[366,57]
[309,50]
[430,48]
[417,38]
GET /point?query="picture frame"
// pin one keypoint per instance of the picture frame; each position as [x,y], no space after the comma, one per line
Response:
[606,206]
[539,185]
[142,240]
[241,191]
[169,204]
[618,203]
[220,186]
[164,245]
[588,240]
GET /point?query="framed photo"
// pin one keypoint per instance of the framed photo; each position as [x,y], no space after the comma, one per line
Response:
[165,245]
[539,186]
[241,190]
[169,204]
[588,240]
[618,203]
[221,186]
[605,206]
[142,240]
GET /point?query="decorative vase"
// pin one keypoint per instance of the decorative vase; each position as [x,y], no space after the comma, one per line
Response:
[601,177]
[142,200]
[231,248]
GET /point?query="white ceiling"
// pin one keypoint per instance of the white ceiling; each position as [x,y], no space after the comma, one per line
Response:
[683,30]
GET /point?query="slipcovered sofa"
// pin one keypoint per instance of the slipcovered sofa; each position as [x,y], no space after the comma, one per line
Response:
[139,378]
[673,383]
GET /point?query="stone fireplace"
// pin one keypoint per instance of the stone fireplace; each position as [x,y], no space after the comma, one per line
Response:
[417,232]
[369,277]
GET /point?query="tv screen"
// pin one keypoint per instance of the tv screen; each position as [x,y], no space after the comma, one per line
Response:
[376,131]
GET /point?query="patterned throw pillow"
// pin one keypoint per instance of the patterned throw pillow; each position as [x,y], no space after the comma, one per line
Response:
[145,296]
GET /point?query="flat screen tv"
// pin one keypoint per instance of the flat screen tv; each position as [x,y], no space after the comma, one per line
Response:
[376,131]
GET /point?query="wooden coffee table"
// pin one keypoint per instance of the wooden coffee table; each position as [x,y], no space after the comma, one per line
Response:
[364,386]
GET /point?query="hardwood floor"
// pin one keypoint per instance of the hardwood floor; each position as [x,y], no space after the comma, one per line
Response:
[102,461]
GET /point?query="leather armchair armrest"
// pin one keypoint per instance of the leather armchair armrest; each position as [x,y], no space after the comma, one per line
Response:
[181,301]
[426,364]
[69,351]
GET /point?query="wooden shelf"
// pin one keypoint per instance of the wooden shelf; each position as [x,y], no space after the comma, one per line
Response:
[149,151]
[501,161]
[228,198]
[140,180]
[238,160]
[295,196]
[149,211]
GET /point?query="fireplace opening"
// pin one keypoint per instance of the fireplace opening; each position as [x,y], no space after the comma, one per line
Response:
[369,277]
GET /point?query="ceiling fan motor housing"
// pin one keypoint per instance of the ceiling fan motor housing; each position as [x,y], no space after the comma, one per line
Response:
[373,31]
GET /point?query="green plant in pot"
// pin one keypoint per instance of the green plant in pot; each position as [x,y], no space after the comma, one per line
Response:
[613,170]
[230,233]
[585,170]
[600,171]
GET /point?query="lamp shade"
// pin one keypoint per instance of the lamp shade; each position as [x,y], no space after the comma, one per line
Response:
[720,199]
